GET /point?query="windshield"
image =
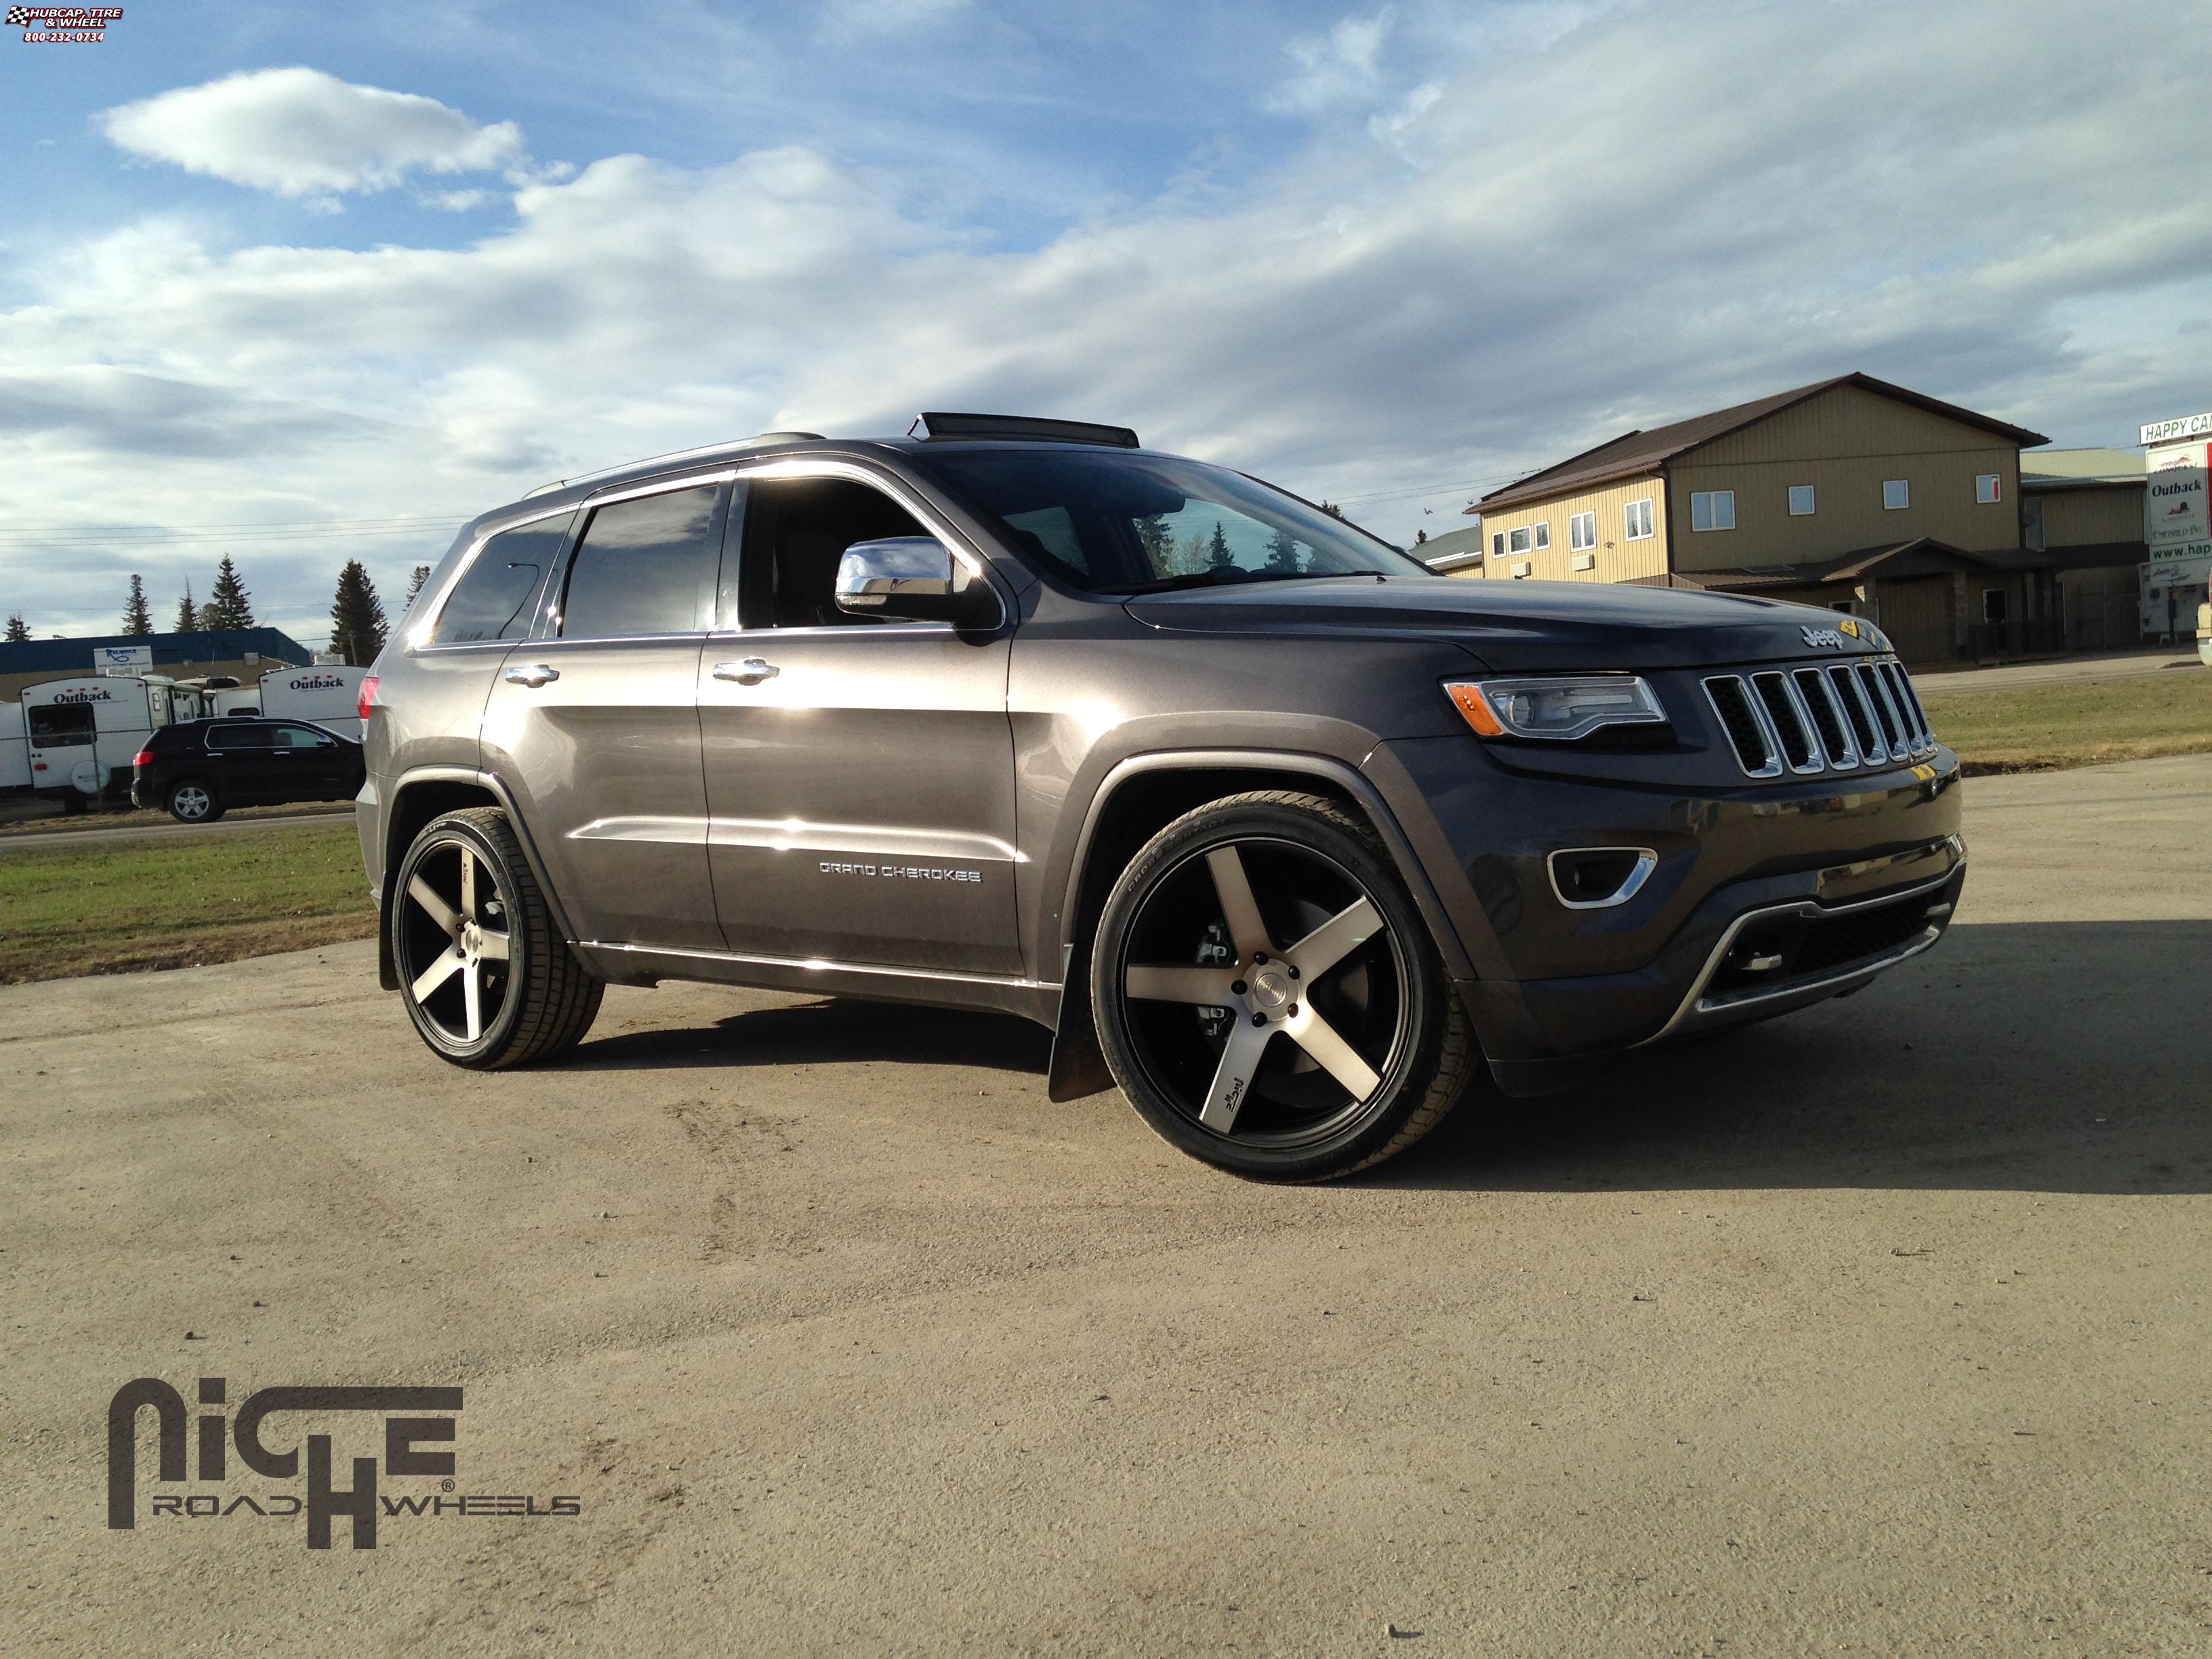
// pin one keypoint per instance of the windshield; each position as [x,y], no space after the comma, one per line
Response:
[1131,524]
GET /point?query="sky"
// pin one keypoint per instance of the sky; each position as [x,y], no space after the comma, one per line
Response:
[306,283]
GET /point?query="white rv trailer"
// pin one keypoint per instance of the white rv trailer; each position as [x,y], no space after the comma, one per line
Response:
[14,750]
[81,733]
[329,697]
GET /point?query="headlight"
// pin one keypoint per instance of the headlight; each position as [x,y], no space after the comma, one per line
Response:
[1555,710]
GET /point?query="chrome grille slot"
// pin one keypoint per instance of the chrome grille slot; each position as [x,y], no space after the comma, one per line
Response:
[1811,718]
[1885,717]
[1757,753]
[1857,710]
[1799,745]
[1908,708]
[1819,700]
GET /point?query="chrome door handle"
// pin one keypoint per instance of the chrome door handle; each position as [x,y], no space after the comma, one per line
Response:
[537,674]
[751,671]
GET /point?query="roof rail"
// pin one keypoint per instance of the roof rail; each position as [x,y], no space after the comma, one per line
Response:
[675,455]
[937,424]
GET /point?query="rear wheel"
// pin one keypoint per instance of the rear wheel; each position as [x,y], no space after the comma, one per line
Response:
[486,979]
[193,800]
[1268,997]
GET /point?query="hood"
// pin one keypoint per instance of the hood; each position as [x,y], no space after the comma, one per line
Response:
[1523,627]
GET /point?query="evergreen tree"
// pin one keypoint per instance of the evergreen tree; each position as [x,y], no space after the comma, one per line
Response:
[234,606]
[1217,556]
[136,621]
[414,586]
[1158,543]
[18,629]
[188,614]
[1282,554]
[1332,509]
[358,624]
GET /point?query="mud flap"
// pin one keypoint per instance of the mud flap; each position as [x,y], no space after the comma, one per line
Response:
[1079,1065]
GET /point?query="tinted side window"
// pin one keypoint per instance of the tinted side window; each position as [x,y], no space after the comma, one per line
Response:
[243,737]
[492,599]
[297,736]
[647,566]
[61,724]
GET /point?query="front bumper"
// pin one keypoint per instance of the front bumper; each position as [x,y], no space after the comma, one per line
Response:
[1834,880]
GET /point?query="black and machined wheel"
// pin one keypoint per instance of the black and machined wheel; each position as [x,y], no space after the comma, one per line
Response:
[1269,998]
[193,800]
[486,980]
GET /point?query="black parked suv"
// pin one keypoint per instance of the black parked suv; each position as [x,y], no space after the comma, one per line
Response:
[1271,827]
[199,769]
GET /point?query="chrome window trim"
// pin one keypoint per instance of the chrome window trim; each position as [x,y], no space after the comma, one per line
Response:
[419,636]
[1647,860]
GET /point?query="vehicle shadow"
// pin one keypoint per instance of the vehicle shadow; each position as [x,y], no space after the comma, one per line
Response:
[2063,1057]
[2056,1057]
[832,1030]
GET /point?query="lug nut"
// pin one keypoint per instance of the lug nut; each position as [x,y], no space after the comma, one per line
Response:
[1294,973]
[1290,1012]
[1259,957]
[1259,1019]
[1237,989]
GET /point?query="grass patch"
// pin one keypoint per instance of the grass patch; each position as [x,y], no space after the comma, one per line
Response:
[2042,726]
[152,817]
[177,901]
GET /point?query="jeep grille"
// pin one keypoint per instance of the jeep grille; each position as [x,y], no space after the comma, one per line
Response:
[1834,718]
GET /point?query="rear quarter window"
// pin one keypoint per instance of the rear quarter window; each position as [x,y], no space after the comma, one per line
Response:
[492,600]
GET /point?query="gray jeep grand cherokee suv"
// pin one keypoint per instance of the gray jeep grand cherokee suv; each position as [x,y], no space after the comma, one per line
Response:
[1271,827]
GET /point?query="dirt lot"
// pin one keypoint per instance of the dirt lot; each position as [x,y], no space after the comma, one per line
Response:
[1882,1328]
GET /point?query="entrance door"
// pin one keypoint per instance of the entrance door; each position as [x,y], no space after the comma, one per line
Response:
[860,773]
[591,720]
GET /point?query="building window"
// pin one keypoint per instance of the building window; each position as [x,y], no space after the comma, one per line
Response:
[1801,501]
[1988,488]
[1582,531]
[2031,523]
[1896,493]
[1497,543]
[1517,541]
[1544,533]
[1994,606]
[1638,519]
[1712,509]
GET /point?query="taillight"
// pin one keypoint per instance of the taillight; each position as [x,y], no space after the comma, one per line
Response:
[143,757]
[367,694]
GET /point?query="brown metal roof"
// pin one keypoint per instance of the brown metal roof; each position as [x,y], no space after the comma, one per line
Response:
[1640,452]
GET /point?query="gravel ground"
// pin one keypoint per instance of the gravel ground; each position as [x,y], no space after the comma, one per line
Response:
[1880,1329]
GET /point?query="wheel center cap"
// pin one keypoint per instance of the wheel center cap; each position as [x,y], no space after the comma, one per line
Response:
[471,938]
[1270,989]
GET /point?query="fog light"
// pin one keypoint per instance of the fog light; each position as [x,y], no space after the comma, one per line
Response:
[1599,877]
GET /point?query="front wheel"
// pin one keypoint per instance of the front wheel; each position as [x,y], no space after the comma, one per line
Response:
[485,978]
[1268,997]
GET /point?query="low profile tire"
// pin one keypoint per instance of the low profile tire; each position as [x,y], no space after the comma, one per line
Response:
[1269,998]
[193,800]
[485,977]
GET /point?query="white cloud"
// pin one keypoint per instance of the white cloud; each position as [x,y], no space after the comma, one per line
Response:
[1715,226]
[301,132]
[1339,67]
[458,201]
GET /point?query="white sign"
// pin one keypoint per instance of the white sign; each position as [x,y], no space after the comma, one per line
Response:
[121,659]
[2174,497]
[2181,426]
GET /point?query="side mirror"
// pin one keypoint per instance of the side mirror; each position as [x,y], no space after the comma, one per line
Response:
[908,578]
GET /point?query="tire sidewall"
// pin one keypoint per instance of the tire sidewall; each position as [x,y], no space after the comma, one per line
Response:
[521,960]
[1405,1084]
